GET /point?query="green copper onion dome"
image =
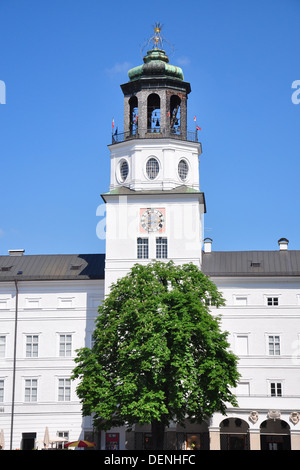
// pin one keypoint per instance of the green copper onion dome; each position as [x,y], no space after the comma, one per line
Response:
[156,63]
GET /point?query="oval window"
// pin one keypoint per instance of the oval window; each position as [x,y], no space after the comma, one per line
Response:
[152,168]
[183,170]
[124,170]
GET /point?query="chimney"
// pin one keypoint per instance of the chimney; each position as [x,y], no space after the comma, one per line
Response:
[283,244]
[16,252]
[207,245]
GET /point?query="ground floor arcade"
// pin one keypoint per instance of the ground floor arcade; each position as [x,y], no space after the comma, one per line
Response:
[262,431]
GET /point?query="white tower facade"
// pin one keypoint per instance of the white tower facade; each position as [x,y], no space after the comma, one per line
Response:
[154,206]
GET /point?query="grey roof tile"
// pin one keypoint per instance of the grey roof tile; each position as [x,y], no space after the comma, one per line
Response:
[91,266]
[52,267]
[252,263]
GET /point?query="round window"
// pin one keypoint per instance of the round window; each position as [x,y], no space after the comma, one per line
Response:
[124,170]
[183,170]
[152,168]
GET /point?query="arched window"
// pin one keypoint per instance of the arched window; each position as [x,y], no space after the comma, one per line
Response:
[133,115]
[175,114]
[234,434]
[275,435]
[153,113]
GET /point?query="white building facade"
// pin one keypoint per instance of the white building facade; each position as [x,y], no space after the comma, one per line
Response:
[261,290]
[154,211]
[48,305]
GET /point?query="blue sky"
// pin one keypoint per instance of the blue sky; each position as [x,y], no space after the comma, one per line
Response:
[62,62]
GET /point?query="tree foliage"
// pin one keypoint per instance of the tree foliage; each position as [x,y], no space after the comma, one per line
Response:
[158,354]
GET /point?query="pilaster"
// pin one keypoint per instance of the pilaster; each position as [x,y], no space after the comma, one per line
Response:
[254,437]
[214,438]
[295,440]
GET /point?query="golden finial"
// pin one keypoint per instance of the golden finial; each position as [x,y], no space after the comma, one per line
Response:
[157,38]
[157,41]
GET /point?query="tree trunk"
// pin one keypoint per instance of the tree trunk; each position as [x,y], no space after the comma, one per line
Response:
[158,434]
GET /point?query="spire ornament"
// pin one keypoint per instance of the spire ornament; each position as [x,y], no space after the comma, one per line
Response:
[157,41]
[157,38]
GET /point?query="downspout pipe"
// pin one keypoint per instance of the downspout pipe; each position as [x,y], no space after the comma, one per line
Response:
[14,366]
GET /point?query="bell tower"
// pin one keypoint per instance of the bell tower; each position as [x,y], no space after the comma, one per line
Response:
[154,205]
[155,98]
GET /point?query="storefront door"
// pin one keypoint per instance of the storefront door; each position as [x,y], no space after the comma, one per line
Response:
[28,440]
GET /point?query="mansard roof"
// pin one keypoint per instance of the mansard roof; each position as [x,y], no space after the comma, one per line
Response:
[52,267]
[251,263]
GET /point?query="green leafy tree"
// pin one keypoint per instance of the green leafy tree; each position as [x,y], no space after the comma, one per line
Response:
[159,354]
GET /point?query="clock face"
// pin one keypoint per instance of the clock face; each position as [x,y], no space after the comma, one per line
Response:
[152,220]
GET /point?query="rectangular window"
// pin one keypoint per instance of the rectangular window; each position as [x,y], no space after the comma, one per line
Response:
[193,441]
[276,389]
[63,435]
[64,389]
[2,346]
[65,345]
[243,388]
[1,391]
[240,300]
[32,303]
[30,390]
[142,248]
[274,345]
[65,302]
[241,345]
[32,345]
[272,301]
[3,304]
[161,247]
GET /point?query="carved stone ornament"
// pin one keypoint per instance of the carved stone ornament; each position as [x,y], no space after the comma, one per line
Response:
[253,416]
[295,417]
[274,414]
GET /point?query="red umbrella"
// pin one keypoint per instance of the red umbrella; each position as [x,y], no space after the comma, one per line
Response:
[80,444]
